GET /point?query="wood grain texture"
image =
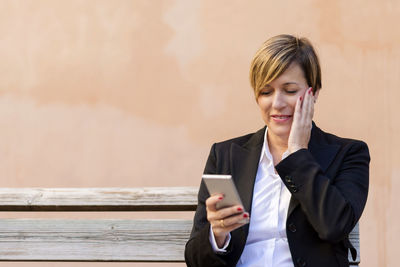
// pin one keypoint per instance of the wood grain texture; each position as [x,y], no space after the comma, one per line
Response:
[100,240]
[99,199]
[93,240]
[354,238]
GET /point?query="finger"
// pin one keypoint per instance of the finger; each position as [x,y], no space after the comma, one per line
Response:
[297,109]
[314,98]
[229,224]
[226,230]
[304,96]
[228,212]
[310,106]
[224,213]
[312,110]
[307,106]
[240,219]
[212,201]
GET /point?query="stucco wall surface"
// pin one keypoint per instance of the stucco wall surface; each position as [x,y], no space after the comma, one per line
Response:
[133,93]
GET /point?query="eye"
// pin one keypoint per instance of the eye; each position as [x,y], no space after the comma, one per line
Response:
[266,92]
[291,89]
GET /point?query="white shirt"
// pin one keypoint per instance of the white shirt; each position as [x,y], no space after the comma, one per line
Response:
[266,243]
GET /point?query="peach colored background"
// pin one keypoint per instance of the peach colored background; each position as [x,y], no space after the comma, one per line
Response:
[133,93]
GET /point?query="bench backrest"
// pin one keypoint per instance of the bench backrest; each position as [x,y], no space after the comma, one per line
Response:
[159,240]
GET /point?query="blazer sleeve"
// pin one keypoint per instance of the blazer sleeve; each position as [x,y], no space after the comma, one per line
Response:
[332,205]
[198,250]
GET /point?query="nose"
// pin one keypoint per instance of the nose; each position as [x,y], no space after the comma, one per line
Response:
[278,101]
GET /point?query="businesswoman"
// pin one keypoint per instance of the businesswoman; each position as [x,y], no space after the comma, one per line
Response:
[303,190]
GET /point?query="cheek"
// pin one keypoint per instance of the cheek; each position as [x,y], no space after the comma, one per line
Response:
[264,104]
[292,104]
[293,100]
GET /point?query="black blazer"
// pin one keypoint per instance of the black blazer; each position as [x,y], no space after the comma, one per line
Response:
[329,187]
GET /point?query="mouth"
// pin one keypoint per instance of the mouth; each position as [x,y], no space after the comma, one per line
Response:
[281,118]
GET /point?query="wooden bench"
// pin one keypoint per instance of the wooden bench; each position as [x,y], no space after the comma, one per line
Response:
[160,240]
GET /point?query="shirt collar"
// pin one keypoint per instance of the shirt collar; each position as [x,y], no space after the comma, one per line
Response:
[265,152]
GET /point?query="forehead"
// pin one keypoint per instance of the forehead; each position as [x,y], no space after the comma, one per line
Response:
[294,74]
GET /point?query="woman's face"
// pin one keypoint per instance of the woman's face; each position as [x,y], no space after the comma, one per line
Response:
[277,100]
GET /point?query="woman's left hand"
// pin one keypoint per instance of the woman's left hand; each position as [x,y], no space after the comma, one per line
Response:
[302,122]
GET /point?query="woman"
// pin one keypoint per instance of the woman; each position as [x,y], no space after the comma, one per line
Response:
[304,189]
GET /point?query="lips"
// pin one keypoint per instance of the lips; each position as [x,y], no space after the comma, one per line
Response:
[281,118]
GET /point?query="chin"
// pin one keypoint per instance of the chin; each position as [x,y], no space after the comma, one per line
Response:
[283,134]
[279,131]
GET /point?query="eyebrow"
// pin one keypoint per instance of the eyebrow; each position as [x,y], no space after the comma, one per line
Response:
[285,84]
[288,83]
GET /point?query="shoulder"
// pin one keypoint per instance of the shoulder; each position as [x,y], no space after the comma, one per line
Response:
[248,140]
[342,142]
[219,159]
[240,140]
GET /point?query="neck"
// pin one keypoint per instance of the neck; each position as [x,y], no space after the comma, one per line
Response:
[277,146]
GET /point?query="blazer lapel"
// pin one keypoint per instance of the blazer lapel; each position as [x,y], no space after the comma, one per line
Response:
[244,164]
[323,153]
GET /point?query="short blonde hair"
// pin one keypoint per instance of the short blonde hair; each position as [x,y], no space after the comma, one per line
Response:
[275,56]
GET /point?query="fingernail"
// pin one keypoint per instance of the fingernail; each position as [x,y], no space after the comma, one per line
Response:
[301,98]
[239,209]
[220,198]
[245,215]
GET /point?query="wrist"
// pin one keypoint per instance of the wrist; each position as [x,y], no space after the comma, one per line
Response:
[220,240]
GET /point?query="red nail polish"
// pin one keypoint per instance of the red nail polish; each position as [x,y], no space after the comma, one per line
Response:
[245,215]
[239,209]
[220,198]
[309,92]
[301,98]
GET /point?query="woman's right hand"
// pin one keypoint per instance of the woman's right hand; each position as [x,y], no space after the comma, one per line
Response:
[225,220]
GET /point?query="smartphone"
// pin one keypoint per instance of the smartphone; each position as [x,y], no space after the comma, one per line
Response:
[222,184]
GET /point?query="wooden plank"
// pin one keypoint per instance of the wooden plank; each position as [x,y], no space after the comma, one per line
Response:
[99,199]
[354,238]
[96,236]
[93,240]
[99,240]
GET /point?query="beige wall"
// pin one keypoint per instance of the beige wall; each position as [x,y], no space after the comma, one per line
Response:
[133,93]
